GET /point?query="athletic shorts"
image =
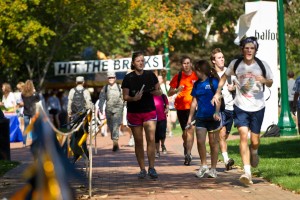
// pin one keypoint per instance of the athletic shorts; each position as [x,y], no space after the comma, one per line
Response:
[183,116]
[252,120]
[160,131]
[137,119]
[210,124]
[227,120]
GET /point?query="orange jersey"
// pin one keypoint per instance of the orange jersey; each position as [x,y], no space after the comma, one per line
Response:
[184,98]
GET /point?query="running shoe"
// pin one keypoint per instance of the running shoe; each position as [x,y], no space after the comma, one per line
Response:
[131,142]
[157,155]
[142,174]
[212,173]
[188,159]
[152,173]
[246,179]
[229,164]
[163,149]
[201,172]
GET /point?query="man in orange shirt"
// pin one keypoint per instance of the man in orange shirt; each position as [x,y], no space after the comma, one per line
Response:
[181,85]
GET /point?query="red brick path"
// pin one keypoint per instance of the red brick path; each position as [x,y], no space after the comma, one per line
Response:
[114,177]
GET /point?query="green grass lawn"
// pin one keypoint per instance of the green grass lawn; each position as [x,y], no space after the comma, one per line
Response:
[279,161]
[5,166]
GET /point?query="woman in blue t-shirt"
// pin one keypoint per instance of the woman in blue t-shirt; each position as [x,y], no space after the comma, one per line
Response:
[207,116]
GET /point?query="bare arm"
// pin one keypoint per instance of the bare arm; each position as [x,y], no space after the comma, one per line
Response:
[192,110]
[267,82]
[216,97]
[173,91]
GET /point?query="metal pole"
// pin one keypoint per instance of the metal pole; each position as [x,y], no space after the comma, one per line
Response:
[286,123]
[91,153]
[166,54]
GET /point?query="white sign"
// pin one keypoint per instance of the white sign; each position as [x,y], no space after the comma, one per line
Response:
[264,27]
[98,66]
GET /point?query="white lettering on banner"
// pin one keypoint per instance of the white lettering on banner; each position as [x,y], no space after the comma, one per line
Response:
[98,66]
[264,27]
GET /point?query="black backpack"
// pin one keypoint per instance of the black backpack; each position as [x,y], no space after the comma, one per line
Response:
[259,62]
[179,78]
[78,101]
[272,131]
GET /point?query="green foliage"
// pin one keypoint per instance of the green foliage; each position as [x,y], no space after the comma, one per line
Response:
[34,34]
[292,30]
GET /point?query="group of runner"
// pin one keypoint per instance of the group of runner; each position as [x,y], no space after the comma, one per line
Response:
[199,106]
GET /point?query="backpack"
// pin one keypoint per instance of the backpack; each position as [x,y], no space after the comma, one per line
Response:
[179,78]
[272,131]
[78,101]
[106,88]
[259,62]
[222,107]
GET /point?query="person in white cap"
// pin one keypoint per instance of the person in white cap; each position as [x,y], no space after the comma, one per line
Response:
[112,94]
[79,100]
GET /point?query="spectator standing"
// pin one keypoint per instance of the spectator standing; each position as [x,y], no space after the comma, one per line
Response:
[79,101]
[217,59]
[112,95]
[249,103]
[207,117]
[139,86]
[30,98]
[8,103]
[20,104]
[181,85]
[162,108]
[296,102]
[54,108]
[291,92]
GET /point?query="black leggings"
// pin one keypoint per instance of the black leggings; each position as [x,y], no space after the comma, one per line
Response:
[160,131]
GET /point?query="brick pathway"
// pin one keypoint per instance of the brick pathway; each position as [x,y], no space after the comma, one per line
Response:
[114,177]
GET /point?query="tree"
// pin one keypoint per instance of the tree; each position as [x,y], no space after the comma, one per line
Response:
[292,30]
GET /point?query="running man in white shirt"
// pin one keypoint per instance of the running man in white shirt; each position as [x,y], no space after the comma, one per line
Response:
[249,104]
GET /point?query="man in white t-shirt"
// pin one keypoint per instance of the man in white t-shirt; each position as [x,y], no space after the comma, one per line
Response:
[217,59]
[249,103]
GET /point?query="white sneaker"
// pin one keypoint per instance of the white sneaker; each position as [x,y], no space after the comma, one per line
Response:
[157,155]
[212,173]
[131,142]
[246,179]
[201,172]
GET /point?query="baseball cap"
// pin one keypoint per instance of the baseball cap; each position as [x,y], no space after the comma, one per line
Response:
[111,74]
[79,79]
